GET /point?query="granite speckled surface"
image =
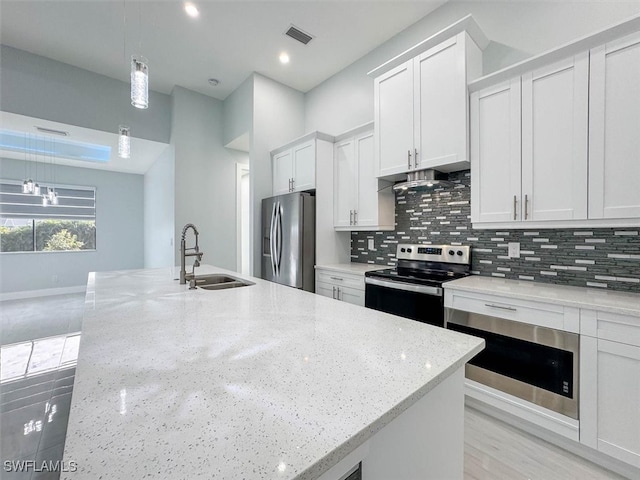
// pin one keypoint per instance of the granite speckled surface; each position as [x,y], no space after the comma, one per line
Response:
[258,382]
[352,268]
[625,303]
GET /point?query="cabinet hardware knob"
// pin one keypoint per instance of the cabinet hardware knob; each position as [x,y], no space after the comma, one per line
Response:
[514,207]
[409,158]
[526,207]
[336,278]
[415,157]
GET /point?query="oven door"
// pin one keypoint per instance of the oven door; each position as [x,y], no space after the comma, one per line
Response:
[418,302]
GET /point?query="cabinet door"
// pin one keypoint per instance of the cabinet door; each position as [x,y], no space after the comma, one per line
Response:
[495,153]
[304,166]
[351,295]
[614,130]
[393,113]
[282,172]
[440,116]
[345,178]
[555,140]
[325,289]
[610,420]
[367,211]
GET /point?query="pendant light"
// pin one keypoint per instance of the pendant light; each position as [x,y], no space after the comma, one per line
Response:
[139,82]
[124,142]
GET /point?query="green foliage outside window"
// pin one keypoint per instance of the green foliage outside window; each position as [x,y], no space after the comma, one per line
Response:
[80,235]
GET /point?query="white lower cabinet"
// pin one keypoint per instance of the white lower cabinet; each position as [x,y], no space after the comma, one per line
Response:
[608,378]
[610,385]
[340,286]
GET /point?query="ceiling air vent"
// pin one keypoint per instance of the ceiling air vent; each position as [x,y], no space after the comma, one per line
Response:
[297,34]
[52,131]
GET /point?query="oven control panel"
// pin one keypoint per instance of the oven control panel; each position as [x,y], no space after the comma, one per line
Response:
[434,253]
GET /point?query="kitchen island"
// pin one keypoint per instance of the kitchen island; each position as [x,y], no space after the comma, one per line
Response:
[259,382]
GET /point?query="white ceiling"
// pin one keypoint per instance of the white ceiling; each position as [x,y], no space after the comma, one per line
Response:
[143,152]
[229,41]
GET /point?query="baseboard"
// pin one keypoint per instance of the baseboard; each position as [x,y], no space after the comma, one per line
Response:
[588,453]
[47,292]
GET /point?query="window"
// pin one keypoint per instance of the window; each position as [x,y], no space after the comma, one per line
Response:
[26,225]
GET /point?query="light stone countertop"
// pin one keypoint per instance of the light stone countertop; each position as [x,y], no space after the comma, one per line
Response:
[257,382]
[625,303]
[352,268]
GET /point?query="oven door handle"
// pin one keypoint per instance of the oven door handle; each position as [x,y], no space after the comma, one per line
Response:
[407,287]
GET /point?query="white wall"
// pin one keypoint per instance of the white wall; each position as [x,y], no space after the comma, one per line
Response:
[278,118]
[159,201]
[518,29]
[238,111]
[119,232]
[205,175]
[39,87]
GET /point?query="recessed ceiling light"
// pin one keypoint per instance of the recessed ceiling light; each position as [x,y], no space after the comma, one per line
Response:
[214,82]
[284,57]
[191,10]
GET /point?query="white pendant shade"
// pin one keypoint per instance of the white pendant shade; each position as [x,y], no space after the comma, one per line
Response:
[124,142]
[139,82]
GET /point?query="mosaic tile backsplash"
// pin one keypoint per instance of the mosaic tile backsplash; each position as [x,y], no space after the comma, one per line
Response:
[585,257]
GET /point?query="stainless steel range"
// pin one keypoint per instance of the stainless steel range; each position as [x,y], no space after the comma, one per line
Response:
[414,288]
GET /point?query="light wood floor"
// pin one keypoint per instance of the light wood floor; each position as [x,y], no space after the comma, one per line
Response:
[494,450]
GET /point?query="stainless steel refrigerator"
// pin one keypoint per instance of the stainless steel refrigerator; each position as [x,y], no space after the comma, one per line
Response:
[288,240]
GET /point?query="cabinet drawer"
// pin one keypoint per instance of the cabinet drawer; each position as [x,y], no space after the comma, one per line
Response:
[610,326]
[534,313]
[340,279]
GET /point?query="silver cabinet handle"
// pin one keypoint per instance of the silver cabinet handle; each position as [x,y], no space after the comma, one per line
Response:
[293,184]
[355,217]
[334,293]
[514,207]
[350,217]
[415,157]
[409,158]
[511,309]
[526,207]
[336,278]
[338,289]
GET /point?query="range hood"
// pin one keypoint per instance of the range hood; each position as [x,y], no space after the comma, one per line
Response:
[424,179]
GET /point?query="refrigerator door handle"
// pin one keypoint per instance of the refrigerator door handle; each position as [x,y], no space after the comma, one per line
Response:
[272,239]
[278,237]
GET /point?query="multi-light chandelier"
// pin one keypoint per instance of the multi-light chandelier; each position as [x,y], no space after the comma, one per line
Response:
[31,187]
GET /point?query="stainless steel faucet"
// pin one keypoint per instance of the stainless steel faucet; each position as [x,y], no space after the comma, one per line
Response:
[184,276]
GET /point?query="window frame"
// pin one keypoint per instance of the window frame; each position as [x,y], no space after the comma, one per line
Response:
[33,219]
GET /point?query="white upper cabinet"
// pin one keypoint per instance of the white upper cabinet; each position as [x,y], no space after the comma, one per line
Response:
[345,176]
[393,99]
[579,146]
[495,153]
[529,146]
[614,130]
[440,113]
[282,172]
[361,200]
[421,102]
[554,140]
[304,166]
[294,165]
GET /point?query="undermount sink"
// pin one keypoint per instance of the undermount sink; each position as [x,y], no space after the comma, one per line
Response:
[219,281]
